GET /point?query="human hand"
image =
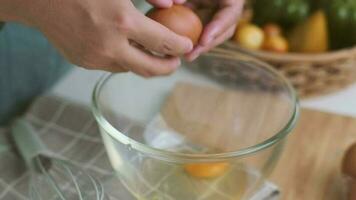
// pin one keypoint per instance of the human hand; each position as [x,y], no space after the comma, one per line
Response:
[220,28]
[109,35]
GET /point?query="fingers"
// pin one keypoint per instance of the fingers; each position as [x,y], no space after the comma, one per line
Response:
[161,3]
[179,1]
[156,37]
[165,3]
[202,3]
[114,69]
[221,22]
[126,56]
[221,27]
[202,49]
[147,65]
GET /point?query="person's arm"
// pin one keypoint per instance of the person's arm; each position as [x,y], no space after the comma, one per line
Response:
[15,10]
[108,35]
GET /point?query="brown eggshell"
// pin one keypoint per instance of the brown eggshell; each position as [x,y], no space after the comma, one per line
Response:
[180,19]
[349,162]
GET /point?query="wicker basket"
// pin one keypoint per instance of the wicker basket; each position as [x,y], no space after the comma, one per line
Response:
[311,74]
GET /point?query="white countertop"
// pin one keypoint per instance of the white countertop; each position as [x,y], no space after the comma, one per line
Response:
[79,84]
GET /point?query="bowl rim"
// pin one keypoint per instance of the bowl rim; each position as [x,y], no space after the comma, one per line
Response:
[196,158]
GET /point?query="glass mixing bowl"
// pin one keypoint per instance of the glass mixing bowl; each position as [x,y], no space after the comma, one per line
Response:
[212,130]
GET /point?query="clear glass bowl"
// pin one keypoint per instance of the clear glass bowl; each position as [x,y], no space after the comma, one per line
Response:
[212,130]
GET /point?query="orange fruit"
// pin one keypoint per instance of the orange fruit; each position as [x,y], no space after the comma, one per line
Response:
[272,29]
[275,43]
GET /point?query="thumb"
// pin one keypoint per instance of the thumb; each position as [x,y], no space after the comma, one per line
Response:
[165,3]
[161,3]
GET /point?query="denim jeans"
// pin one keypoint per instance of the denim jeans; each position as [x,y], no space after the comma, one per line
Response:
[29,65]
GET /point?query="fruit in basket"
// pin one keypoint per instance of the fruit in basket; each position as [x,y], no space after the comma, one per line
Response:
[311,36]
[249,36]
[287,13]
[319,4]
[272,29]
[180,19]
[349,162]
[245,17]
[342,23]
[206,170]
[275,43]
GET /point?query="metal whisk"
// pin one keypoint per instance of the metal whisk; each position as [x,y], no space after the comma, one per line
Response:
[53,178]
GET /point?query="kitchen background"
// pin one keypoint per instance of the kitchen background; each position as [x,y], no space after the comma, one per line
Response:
[78,86]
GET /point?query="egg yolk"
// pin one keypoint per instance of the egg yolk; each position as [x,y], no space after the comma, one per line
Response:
[206,170]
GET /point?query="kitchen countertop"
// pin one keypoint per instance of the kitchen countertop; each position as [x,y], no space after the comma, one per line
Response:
[79,84]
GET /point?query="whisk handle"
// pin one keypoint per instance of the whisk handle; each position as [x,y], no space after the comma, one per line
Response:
[27,141]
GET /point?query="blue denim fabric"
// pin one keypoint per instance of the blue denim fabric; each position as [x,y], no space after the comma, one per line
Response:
[29,65]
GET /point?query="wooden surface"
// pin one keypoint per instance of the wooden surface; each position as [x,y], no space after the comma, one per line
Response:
[309,168]
[310,165]
[205,113]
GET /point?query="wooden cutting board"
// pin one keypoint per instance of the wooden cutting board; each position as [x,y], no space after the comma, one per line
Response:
[309,168]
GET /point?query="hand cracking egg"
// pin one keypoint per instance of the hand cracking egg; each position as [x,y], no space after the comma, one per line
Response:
[179,19]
